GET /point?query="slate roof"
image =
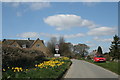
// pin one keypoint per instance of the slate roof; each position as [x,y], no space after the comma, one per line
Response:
[28,43]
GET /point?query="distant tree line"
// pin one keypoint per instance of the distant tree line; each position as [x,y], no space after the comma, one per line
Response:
[67,49]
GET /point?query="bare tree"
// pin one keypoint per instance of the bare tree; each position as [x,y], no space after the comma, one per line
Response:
[64,47]
[51,44]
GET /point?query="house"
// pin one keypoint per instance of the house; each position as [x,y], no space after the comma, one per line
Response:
[27,44]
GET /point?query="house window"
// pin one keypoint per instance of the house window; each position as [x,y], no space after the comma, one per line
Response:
[37,45]
[13,45]
[24,46]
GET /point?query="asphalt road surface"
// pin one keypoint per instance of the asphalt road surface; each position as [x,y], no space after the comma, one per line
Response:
[83,69]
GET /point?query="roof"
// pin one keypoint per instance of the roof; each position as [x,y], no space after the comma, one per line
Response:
[28,43]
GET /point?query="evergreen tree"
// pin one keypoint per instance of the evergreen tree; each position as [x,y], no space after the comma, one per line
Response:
[115,48]
[99,50]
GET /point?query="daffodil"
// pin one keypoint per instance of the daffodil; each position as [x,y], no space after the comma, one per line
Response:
[3,69]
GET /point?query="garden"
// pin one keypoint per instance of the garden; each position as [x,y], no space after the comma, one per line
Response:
[53,69]
[32,64]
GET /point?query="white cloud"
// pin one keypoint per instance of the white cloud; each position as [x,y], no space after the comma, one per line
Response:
[89,4]
[19,14]
[29,35]
[49,35]
[65,36]
[40,5]
[89,42]
[102,40]
[102,31]
[36,35]
[92,45]
[63,22]
[74,35]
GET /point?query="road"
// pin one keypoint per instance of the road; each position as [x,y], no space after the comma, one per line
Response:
[83,69]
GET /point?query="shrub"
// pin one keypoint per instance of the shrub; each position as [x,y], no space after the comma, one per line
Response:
[107,56]
[20,57]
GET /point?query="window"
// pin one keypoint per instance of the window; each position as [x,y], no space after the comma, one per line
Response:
[37,45]
[24,46]
[13,45]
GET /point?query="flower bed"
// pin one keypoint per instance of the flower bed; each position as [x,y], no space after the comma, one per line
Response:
[54,68]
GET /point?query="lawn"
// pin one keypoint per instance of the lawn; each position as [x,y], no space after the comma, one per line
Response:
[110,65]
[52,69]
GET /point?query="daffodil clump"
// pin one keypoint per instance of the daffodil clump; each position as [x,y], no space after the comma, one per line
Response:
[54,62]
[48,69]
[15,69]
[50,63]
[60,58]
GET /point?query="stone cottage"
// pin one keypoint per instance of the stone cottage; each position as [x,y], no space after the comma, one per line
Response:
[27,44]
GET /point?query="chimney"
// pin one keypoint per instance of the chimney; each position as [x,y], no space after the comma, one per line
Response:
[28,38]
[38,39]
[4,40]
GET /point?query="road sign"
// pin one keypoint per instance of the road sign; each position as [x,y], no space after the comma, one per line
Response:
[57,55]
[57,48]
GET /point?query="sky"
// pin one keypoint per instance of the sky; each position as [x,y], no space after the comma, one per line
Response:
[91,23]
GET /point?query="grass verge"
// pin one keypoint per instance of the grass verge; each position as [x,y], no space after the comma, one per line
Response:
[112,66]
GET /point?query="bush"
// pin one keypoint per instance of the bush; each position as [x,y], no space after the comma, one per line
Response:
[88,57]
[20,57]
[107,56]
[77,56]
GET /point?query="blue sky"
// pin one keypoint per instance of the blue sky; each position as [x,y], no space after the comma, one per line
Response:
[93,24]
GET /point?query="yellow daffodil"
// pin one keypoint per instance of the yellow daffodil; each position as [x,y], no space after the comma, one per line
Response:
[14,71]
[3,69]
[26,69]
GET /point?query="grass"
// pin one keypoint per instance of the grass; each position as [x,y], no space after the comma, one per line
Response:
[112,66]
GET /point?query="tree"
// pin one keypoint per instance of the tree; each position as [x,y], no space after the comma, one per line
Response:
[99,50]
[51,44]
[64,48]
[81,49]
[115,48]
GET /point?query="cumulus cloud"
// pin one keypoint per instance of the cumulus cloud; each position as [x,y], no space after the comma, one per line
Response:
[90,4]
[102,40]
[40,5]
[49,35]
[92,45]
[65,36]
[29,35]
[35,35]
[74,35]
[32,5]
[89,42]
[67,21]
[101,31]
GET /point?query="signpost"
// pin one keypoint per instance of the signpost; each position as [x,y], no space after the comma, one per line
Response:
[57,49]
